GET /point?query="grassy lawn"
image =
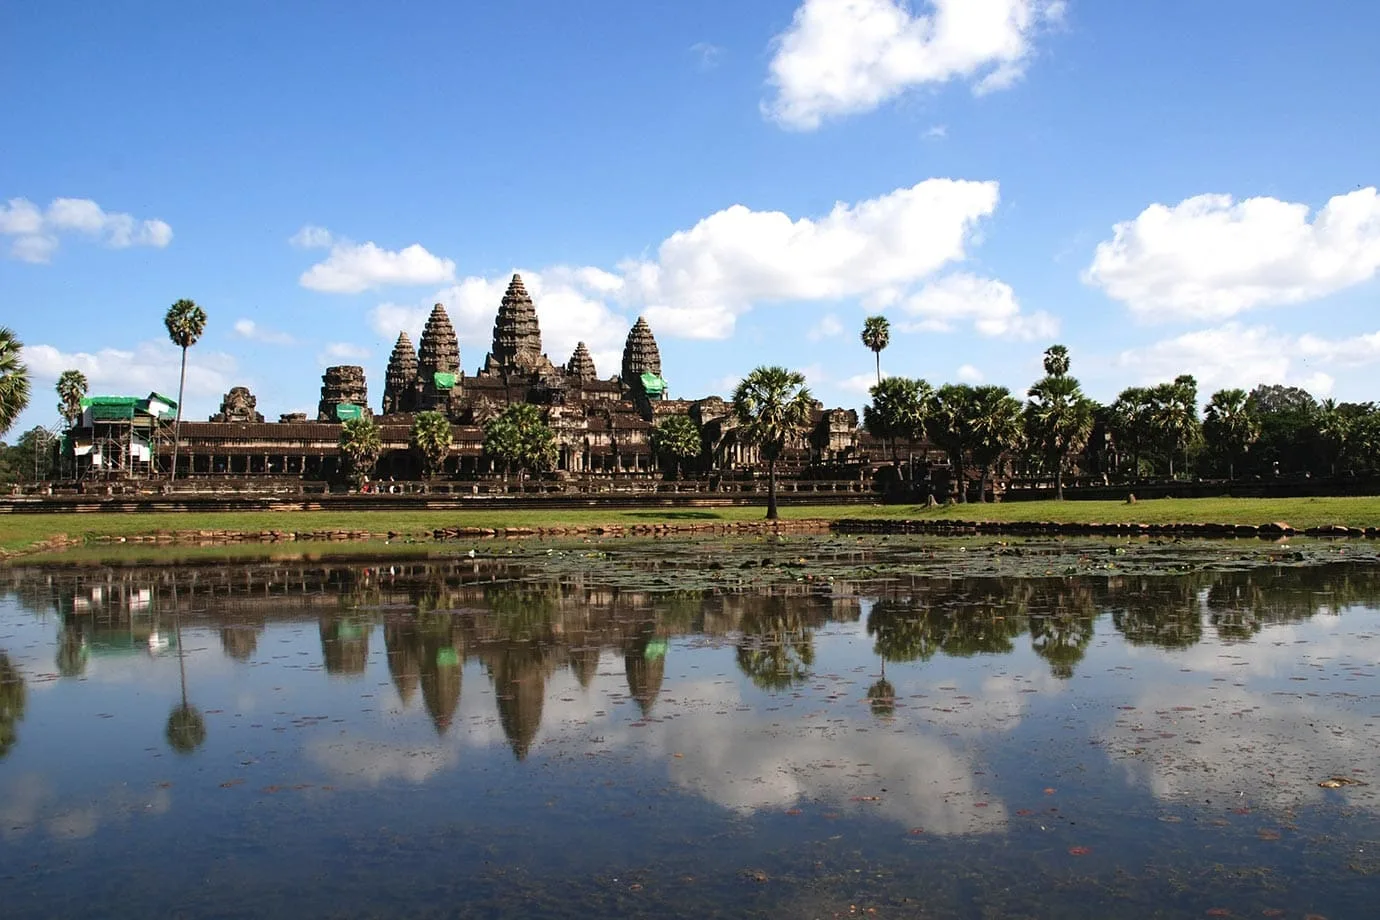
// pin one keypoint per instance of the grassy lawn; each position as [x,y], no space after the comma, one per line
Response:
[19,531]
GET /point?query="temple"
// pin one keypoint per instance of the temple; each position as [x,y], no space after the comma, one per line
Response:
[602,425]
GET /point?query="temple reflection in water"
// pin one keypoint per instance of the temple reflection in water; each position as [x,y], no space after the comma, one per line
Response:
[519,630]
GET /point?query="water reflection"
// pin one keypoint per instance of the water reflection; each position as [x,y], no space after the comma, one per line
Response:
[581,718]
[436,616]
[12,699]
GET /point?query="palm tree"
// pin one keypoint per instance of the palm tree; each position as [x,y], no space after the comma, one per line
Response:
[14,379]
[71,390]
[1056,361]
[898,410]
[1174,415]
[772,406]
[361,443]
[520,438]
[185,322]
[1058,417]
[949,425]
[431,437]
[1132,424]
[876,335]
[1229,426]
[677,438]
[995,429]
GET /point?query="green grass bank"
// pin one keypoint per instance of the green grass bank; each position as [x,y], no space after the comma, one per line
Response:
[19,532]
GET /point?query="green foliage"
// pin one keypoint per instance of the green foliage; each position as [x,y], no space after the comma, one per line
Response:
[677,438]
[772,406]
[431,438]
[14,379]
[520,439]
[876,335]
[950,428]
[1229,427]
[994,429]
[32,458]
[1056,361]
[185,322]
[1288,418]
[71,390]
[1132,424]
[360,443]
[1058,417]
[898,409]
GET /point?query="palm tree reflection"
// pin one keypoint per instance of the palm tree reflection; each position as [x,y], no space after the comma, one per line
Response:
[776,649]
[186,730]
[13,697]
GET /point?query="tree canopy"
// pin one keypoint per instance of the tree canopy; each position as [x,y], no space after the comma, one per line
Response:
[431,438]
[520,439]
[14,379]
[772,406]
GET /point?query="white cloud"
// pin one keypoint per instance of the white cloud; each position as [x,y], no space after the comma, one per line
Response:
[149,366]
[827,328]
[1211,257]
[844,56]
[312,237]
[859,383]
[1235,355]
[37,233]
[937,132]
[737,258]
[991,307]
[342,351]
[248,329]
[702,279]
[707,54]
[354,267]
[969,374]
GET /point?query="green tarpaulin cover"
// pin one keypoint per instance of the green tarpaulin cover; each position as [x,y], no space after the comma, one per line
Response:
[443,380]
[653,385]
[348,412]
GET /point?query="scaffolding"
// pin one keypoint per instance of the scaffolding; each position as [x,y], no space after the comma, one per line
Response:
[118,438]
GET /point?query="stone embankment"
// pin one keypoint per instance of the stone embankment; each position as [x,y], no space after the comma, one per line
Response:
[942,527]
[935,527]
[458,533]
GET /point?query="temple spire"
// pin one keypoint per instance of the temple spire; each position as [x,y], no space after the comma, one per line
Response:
[400,380]
[440,350]
[581,365]
[640,354]
[517,337]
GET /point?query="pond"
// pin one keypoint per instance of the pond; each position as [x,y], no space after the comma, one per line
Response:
[804,727]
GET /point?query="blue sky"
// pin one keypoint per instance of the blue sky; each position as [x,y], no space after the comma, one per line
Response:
[1165,188]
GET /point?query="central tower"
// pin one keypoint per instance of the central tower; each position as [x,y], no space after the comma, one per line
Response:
[517,337]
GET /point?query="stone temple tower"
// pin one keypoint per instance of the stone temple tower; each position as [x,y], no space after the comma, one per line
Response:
[640,354]
[438,361]
[581,365]
[517,337]
[400,380]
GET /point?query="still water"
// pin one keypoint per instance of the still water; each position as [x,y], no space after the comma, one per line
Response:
[493,736]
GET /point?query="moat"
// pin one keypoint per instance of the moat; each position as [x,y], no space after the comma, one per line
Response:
[799,726]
